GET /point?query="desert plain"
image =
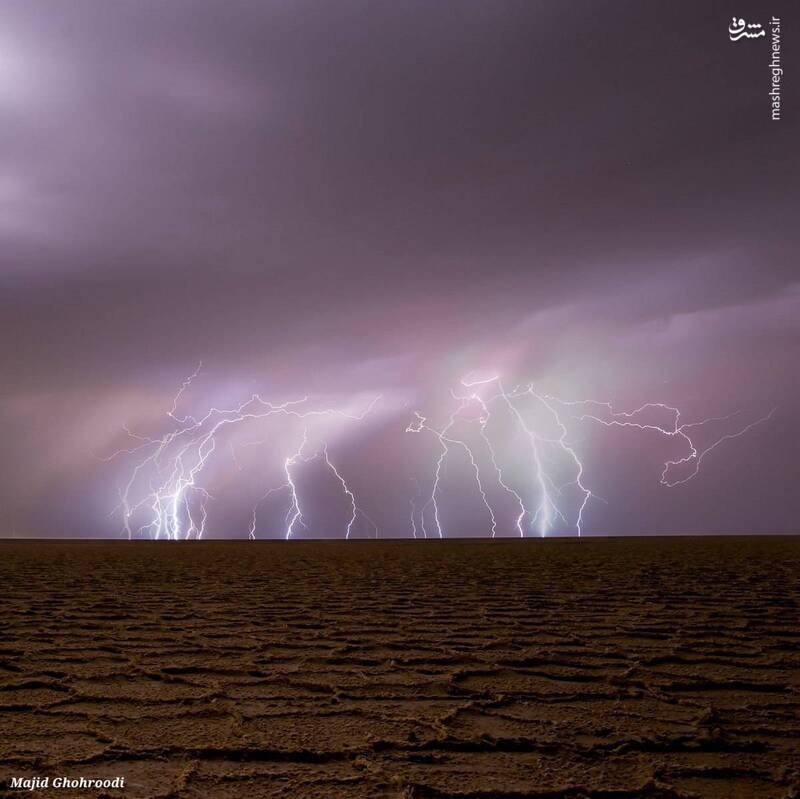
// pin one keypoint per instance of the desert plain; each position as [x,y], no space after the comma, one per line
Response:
[503,669]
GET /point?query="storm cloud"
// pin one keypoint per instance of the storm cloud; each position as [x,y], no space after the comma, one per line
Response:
[346,198]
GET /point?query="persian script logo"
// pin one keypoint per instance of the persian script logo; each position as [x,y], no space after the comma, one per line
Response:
[739,29]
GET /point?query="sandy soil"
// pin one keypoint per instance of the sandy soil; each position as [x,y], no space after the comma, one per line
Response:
[661,668]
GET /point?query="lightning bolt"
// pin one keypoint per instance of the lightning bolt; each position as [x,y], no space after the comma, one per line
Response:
[167,479]
[445,442]
[542,517]
[552,453]
[294,514]
[167,492]
[356,511]
[677,430]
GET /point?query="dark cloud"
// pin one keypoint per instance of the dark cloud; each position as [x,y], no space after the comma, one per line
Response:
[349,196]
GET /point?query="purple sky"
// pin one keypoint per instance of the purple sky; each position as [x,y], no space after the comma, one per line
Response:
[345,199]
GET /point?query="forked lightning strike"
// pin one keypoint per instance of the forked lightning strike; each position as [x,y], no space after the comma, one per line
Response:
[165,485]
[554,465]
[519,447]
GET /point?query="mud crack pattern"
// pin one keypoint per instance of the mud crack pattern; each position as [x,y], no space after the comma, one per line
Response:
[428,670]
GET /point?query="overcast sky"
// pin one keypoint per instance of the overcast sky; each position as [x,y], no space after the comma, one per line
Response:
[347,199]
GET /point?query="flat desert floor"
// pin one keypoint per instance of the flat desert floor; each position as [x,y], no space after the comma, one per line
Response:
[592,668]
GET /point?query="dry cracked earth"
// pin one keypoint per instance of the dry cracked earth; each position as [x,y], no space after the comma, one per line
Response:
[435,670]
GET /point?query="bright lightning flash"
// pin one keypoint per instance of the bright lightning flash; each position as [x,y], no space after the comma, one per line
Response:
[165,485]
[554,495]
[519,445]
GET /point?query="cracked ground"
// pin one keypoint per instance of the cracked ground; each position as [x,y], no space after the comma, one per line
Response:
[439,669]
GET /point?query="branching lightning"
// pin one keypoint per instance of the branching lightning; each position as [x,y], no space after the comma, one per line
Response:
[554,463]
[165,485]
[519,448]
[676,429]
[546,509]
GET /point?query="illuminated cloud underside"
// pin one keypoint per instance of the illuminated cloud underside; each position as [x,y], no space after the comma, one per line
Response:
[166,495]
[357,199]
